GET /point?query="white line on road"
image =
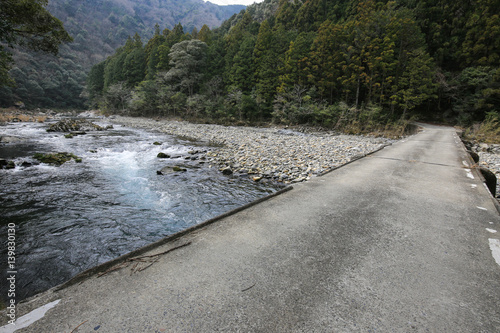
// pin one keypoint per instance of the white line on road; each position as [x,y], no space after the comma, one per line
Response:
[29,318]
[495,249]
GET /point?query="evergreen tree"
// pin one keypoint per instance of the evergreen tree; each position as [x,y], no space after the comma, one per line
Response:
[327,59]
[134,65]
[482,41]
[243,67]
[295,69]
[285,15]
[267,61]
[262,45]
[187,61]
[175,36]
[95,80]
[205,35]
[152,53]
[415,85]
[232,39]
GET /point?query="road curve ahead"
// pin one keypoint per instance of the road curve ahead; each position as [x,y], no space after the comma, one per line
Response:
[399,241]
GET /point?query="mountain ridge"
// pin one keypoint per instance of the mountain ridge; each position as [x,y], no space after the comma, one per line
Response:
[98,27]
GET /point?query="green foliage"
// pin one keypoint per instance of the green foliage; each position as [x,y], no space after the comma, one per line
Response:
[143,99]
[27,24]
[241,74]
[473,93]
[295,69]
[116,99]
[415,85]
[356,65]
[487,131]
[292,106]
[482,41]
[134,66]
[99,28]
[205,35]
[187,61]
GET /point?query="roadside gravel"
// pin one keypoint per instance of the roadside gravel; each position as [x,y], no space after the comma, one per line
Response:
[265,154]
[489,157]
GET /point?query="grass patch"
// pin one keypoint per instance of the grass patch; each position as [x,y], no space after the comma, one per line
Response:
[488,131]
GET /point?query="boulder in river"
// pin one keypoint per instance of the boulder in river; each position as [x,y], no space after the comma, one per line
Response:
[4,164]
[74,125]
[227,171]
[10,139]
[56,158]
[169,169]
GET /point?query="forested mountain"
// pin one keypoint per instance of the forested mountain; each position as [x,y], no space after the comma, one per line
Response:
[317,61]
[98,28]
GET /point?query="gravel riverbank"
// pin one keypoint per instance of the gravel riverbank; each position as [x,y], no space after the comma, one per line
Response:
[489,157]
[265,154]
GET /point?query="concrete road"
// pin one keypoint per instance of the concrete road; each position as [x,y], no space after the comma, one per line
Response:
[399,241]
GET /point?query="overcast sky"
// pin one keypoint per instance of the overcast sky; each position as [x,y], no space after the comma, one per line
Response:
[234,2]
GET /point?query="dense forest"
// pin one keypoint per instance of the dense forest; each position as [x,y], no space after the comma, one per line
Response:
[98,28]
[315,61]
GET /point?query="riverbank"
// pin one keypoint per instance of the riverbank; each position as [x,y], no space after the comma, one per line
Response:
[106,200]
[489,157]
[267,154]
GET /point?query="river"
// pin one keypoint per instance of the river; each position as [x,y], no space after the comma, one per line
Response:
[78,215]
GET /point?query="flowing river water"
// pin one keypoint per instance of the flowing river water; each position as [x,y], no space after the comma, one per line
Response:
[78,215]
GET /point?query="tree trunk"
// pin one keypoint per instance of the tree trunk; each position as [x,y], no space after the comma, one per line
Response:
[357,93]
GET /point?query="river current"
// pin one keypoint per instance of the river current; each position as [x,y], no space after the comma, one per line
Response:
[78,215]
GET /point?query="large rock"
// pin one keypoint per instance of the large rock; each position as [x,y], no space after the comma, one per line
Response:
[10,139]
[171,169]
[74,125]
[227,171]
[56,158]
[163,155]
[4,164]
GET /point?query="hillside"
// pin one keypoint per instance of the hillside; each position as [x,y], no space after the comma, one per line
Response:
[346,63]
[98,28]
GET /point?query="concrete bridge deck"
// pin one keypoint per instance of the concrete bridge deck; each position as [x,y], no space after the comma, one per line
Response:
[399,241]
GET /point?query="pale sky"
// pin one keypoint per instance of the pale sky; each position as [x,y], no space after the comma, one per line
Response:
[234,2]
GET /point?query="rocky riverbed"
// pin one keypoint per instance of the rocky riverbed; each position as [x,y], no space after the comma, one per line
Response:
[489,157]
[267,154]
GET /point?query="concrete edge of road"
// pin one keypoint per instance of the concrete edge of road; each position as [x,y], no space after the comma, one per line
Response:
[108,264]
[354,159]
[481,177]
[414,128]
[478,173]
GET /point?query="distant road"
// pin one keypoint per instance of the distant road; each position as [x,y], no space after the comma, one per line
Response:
[399,241]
